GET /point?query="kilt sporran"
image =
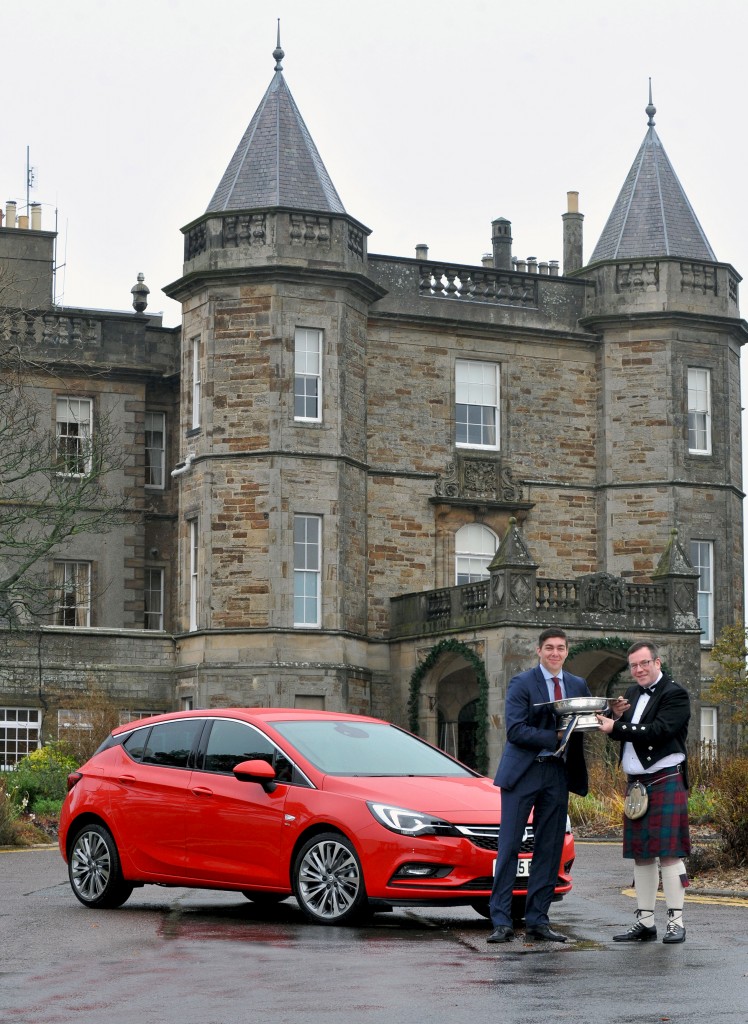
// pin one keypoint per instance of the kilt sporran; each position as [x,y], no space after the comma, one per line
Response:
[636,801]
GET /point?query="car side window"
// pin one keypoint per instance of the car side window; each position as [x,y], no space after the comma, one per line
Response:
[230,743]
[170,744]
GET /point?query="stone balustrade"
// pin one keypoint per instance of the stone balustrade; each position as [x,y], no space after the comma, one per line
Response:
[598,600]
[477,284]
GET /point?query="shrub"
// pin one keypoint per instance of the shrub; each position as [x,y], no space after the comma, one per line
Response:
[602,808]
[701,805]
[42,774]
[47,807]
[731,809]
[8,816]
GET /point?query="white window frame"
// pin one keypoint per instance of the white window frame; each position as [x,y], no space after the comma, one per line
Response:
[153,598]
[699,411]
[26,725]
[702,558]
[72,580]
[709,731]
[307,381]
[155,452]
[196,382]
[475,547]
[477,401]
[194,559]
[307,571]
[74,432]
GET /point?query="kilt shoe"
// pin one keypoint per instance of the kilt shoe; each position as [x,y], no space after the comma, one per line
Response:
[639,932]
[675,931]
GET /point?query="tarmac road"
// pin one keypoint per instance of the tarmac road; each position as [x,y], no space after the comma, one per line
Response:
[185,956]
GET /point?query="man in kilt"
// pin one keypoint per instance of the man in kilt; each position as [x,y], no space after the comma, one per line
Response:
[651,724]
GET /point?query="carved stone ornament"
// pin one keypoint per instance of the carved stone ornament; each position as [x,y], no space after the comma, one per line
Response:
[602,592]
[478,479]
[522,593]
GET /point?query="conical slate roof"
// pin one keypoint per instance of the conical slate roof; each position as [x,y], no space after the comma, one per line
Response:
[276,163]
[652,216]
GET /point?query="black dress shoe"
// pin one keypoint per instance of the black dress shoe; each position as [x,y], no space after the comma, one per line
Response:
[674,933]
[545,933]
[638,933]
[502,933]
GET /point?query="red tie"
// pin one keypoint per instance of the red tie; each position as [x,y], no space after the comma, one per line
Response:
[557,695]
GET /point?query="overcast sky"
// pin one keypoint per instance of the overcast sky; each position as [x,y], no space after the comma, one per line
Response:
[432,119]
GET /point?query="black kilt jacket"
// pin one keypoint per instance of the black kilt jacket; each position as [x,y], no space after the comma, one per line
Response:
[663,728]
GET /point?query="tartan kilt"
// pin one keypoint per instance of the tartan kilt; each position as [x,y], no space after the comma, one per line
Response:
[663,831]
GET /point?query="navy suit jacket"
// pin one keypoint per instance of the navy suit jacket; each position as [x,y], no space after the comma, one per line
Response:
[531,729]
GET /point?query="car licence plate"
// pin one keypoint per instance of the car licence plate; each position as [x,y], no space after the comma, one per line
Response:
[523,867]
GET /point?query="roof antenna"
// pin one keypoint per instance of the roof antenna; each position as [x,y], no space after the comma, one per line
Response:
[650,111]
[277,52]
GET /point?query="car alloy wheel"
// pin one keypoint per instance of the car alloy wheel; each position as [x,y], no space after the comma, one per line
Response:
[328,880]
[94,869]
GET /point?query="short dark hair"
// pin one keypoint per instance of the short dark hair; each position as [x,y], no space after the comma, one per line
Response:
[640,645]
[554,631]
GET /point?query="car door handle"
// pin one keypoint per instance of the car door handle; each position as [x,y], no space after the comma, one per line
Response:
[126,779]
[202,791]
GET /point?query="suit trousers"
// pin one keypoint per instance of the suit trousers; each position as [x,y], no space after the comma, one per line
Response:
[544,786]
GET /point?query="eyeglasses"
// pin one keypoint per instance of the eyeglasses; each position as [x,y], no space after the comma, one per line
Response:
[640,664]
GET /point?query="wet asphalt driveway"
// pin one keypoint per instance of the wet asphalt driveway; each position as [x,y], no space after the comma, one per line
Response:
[183,956]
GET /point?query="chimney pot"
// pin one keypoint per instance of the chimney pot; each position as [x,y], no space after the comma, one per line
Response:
[422,251]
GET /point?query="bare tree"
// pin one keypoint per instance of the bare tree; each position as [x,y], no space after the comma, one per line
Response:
[51,488]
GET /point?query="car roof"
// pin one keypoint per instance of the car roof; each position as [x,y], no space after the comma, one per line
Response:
[268,715]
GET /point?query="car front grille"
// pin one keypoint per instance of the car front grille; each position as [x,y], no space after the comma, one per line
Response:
[487,837]
[485,882]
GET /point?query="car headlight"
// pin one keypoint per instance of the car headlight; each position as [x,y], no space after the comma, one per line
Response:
[408,823]
[568,823]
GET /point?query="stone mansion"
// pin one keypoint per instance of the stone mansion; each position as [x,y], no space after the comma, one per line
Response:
[366,482]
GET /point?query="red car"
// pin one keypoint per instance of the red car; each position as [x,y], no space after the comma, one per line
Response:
[344,812]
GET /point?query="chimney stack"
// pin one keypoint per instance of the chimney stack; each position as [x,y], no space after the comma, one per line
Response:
[501,238]
[573,249]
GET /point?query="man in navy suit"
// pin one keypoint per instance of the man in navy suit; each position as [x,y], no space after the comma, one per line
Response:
[529,775]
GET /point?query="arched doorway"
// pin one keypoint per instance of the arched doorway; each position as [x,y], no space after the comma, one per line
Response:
[447,704]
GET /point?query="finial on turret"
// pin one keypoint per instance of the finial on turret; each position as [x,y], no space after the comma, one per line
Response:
[278,53]
[651,108]
[140,292]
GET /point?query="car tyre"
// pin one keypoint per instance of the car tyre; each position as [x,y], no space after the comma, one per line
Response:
[265,899]
[481,907]
[328,881]
[94,869]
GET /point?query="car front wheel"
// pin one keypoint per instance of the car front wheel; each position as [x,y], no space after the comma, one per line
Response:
[328,881]
[94,869]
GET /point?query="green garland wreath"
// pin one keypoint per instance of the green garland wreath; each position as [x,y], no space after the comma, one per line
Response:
[481,713]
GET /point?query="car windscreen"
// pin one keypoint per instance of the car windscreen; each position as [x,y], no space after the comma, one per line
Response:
[366,748]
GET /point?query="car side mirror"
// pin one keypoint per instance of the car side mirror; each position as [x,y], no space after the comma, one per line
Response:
[256,771]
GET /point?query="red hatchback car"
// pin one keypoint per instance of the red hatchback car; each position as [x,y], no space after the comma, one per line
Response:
[344,812]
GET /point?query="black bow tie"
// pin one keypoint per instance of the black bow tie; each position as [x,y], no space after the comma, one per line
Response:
[648,690]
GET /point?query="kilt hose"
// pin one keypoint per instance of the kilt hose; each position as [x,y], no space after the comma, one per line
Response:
[663,831]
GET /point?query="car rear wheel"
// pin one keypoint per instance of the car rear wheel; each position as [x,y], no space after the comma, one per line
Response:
[94,869]
[328,881]
[264,899]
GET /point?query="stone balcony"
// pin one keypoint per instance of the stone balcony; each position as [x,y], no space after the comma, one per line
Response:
[514,594]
